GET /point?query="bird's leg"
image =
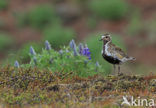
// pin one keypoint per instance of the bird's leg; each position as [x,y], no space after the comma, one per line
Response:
[118,69]
[114,68]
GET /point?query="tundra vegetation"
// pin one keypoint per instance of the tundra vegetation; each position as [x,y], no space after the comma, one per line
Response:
[63,74]
[68,78]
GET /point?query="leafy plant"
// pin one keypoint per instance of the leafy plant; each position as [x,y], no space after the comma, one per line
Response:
[2,23]
[65,61]
[136,25]
[109,9]
[3,4]
[150,26]
[92,22]
[58,36]
[95,47]
[23,52]
[39,17]
[5,41]
[68,60]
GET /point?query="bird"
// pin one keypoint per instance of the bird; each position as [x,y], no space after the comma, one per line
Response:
[112,53]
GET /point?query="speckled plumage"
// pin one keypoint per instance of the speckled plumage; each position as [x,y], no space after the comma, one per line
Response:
[112,53]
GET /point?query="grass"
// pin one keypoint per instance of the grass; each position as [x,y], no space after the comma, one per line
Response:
[68,78]
[67,81]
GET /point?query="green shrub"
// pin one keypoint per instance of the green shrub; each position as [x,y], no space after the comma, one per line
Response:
[22,19]
[63,62]
[5,41]
[23,52]
[64,65]
[3,4]
[39,17]
[95,47]
[135,25]
[150,27]
[91,22]
[2,23]
[58,36]
[109,9]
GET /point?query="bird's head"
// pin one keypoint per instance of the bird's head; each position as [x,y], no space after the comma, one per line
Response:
[105,38]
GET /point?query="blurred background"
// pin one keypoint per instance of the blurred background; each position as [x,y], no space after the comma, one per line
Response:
[132,24]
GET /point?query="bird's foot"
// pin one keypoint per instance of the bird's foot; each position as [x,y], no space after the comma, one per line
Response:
[120,74]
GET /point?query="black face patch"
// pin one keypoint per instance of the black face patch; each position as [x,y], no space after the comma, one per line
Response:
[105,42]
[111,59]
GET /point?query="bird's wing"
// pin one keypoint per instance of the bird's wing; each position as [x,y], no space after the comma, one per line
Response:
[118,52]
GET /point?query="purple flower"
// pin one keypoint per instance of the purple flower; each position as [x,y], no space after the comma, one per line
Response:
[67,50]
[81,49]
[97,64]
[35,60]
[32,51]
[47,45]
[73,47]
[61,52]
[16,64]
[75,51]
[72,44]
[86,52]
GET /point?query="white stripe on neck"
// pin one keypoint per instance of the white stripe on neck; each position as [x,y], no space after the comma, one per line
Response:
[106,49]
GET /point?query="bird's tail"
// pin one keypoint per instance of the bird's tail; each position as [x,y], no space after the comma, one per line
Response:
[131,58]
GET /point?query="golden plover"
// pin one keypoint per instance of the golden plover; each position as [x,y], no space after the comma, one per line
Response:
[112,53]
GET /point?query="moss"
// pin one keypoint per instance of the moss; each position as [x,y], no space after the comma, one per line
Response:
[33,86]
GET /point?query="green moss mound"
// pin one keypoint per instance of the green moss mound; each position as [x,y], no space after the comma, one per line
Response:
[109,9]
[5,41]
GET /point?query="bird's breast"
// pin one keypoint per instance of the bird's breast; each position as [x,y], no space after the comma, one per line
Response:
[106,50]
[111,59]
[108,56]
